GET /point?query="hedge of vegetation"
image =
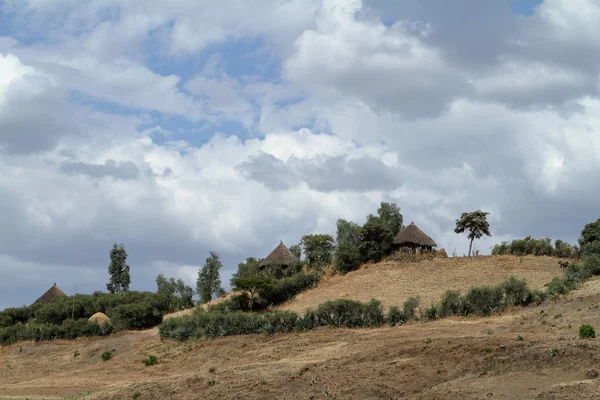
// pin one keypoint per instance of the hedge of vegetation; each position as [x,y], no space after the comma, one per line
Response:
[68,329]
[67,317]
[485,300]
[536,247]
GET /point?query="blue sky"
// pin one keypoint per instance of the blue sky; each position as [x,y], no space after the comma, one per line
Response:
[186,127]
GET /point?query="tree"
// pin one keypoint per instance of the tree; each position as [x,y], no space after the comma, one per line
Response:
[118,270]
[589,241]
[247,268]
[296,250]
[179,294]
[347,255]
[318,249]
[253,284]
[209,281]
[375,239]
[476,223]
[391,217]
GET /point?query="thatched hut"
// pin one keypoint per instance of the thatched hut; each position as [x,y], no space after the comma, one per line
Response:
[281,256]
[413,239]
[51,294]
[279,260]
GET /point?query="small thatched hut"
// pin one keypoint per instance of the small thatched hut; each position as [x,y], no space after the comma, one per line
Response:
[51,294]
[281,256]
[413,239]
[99,318]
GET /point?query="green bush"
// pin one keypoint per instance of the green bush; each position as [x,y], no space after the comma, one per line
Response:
[409,307]
[451,304]
[536,247]
[515,292]
[151,360]
[483,300]
[587,332]
[69,329]
[432,312]
[395,316]
[350,313]
[107,355]
[558,285]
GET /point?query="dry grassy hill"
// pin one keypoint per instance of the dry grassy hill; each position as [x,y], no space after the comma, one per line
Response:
[451,358]
[392,283]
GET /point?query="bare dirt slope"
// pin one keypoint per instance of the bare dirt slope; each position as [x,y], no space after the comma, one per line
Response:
[393,283]
[454,358]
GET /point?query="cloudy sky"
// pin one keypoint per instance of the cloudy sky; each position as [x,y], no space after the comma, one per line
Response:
[186,126]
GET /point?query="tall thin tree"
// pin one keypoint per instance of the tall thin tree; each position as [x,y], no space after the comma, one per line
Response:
[209,281]
[118,270]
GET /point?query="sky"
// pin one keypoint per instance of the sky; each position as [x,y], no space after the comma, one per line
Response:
[181,127]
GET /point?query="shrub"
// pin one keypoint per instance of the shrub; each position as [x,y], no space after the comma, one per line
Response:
[515,292]
[107,355]
[409,307]
[350,313]
[151,360]
[483,300]
[558,285]
[586,332]
[432,312]
[280,321]
[451,303]
[395,316]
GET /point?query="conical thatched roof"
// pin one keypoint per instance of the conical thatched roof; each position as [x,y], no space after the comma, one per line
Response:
[412,234]
[50,295]
[280,256]
[99,318]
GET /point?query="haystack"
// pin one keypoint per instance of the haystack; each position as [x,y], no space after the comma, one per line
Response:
[281,256]
[51,294]
[99,318]
[413,238]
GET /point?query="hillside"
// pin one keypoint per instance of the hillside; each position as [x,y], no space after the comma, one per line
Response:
[453,358]
[392,283]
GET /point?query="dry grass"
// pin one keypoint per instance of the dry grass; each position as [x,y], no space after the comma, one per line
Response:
[393,282]
[205,306]
[453,358]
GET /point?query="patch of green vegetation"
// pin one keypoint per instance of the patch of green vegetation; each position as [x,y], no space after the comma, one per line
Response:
[587,332]
[151,360]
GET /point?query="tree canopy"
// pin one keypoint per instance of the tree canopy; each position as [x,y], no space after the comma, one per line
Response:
[475,223]
[209,281]
[118,270]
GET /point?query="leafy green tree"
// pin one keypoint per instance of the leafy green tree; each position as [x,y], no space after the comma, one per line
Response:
[209,280]
[347,255]
[247,268]
[118,270]
[318,249]
[391,217]
[476,223]
[296,250]
[254,285]
[589,241]
[179,294]
[375,239]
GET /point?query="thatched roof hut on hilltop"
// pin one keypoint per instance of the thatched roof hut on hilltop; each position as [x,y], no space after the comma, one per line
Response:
[413,238]
[51,294]
[281,256]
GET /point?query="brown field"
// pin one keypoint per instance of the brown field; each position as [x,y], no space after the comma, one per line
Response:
[453,358]
[393,283]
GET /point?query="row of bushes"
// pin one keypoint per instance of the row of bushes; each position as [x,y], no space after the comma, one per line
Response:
[536,247]
[69,329]
[484,300]
[337,313]
[131,310]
